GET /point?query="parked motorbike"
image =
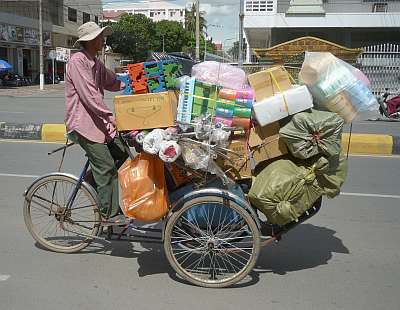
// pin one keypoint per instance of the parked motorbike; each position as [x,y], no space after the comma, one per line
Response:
[389,107]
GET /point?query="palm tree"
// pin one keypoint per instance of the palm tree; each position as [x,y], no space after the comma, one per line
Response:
[190,20]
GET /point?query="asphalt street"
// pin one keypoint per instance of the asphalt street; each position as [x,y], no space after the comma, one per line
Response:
[346,257]
[49,108]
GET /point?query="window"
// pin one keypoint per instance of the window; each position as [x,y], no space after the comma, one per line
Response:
[72,17]
[96,19]
[260,5]
[86,17]
[151,14]
[379,7]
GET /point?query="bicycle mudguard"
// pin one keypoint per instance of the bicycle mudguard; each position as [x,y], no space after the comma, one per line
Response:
[71,176]
[217,192]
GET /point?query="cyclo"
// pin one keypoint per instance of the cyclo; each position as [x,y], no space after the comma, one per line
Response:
[211,235]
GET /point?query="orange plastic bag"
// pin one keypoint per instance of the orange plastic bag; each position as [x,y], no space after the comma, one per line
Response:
[143,191]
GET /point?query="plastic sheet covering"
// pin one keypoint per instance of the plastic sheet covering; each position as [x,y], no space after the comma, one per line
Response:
[284,190]
[217,73]
[311,133]
[143,193]
[195,157]
[152,141]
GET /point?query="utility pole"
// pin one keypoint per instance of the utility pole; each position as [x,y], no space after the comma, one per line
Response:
[41,75]
[241,18]
[197,30]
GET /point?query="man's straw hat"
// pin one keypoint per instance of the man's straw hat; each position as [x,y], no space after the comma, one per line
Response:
[90,31]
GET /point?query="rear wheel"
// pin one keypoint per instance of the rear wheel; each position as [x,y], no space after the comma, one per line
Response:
[212,242]
[54,226]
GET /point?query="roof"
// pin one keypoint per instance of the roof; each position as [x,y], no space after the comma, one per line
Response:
[281,52]
[140,5]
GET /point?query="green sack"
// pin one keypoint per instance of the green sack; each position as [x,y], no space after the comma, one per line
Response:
[284,190]
[311,133]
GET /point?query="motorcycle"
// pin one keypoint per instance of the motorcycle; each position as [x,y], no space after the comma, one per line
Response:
[389,108]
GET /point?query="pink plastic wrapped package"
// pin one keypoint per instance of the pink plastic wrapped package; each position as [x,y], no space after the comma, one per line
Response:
[217,73]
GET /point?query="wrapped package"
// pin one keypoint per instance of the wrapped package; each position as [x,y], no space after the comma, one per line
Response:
[334,82]
[284,190]
[269,82]
[283,104]
[169,151]
[152,141]
[217,73]
[143,193]
[196,157]
[311,133]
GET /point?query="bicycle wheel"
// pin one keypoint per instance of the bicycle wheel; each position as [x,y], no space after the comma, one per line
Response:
[51,224]
[211,243]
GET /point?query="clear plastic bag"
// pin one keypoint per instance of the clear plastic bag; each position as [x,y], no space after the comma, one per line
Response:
[143,191]
[217,73]
[336,85]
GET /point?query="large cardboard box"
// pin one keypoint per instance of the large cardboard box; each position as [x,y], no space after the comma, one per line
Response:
[238,167]
[146,111]
[265,143]
[264,85]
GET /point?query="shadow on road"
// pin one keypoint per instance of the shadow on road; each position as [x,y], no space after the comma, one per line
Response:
[307,246]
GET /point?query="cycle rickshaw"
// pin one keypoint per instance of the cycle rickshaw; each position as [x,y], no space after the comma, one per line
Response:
[212,236]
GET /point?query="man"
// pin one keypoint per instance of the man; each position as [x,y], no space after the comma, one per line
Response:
[89,121]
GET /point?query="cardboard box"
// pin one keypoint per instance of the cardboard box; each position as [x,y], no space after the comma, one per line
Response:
[263,84]
[265,143]
[146,111]
[238,167]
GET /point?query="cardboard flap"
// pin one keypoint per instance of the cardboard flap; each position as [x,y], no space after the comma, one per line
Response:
[259,134]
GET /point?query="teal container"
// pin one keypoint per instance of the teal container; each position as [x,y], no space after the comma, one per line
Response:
[242,112]
[225,113]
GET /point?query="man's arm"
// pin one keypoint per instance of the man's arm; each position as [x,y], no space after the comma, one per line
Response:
[110,80]
[83,81]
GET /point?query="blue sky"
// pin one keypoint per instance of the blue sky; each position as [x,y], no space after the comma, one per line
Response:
[222,13]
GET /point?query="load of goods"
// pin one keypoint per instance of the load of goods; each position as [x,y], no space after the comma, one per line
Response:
[264,134]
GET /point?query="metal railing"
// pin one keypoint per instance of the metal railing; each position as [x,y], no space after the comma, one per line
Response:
[381,64]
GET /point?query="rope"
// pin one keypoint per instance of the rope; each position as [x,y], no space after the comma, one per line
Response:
[280,90]
[348,146]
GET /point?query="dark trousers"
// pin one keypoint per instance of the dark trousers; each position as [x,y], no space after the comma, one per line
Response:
[102,159]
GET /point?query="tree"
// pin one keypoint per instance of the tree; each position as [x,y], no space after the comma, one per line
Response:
[171,35]
[190,20]
[133,36]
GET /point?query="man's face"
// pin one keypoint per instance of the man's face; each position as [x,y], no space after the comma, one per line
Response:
[98,43]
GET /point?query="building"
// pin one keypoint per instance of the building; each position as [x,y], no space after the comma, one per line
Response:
[156,10]
[355,23]
[19,30]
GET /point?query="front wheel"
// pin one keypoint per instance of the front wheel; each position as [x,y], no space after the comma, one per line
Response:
[53,225]
[212,242]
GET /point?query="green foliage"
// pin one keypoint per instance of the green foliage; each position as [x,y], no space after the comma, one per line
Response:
[175,37]
[136,35]
[133,36]
[190,20]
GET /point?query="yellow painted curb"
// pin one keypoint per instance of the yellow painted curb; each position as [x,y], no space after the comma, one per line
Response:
[53,132]
[368,144]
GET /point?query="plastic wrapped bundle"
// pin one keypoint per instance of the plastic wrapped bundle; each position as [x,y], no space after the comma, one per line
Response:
[217,73]
[169,151]
[284,190]
[152,141]
[335,85]
[311,133]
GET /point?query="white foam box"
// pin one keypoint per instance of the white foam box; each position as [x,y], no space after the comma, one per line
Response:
[274,108]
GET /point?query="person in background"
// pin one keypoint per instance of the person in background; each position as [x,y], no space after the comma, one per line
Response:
[89,121]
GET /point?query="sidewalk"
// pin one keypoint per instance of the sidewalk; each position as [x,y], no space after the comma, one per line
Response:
[28,91]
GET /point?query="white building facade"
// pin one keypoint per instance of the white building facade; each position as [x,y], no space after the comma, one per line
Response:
[157,11]
[19,30]
[354,23]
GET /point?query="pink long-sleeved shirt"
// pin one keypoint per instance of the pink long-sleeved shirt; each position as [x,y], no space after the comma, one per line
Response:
[86,112]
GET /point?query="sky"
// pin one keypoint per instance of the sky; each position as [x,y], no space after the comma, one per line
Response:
[222,17]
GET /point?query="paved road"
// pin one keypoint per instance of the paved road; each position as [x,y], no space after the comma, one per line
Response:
[347,257]
[48,107]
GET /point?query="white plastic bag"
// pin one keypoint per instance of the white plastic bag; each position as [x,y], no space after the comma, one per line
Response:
[169,151]
[152,141]
[217,73]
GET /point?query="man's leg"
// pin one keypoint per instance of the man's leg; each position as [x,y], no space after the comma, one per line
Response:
[105,175]
[119,154]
